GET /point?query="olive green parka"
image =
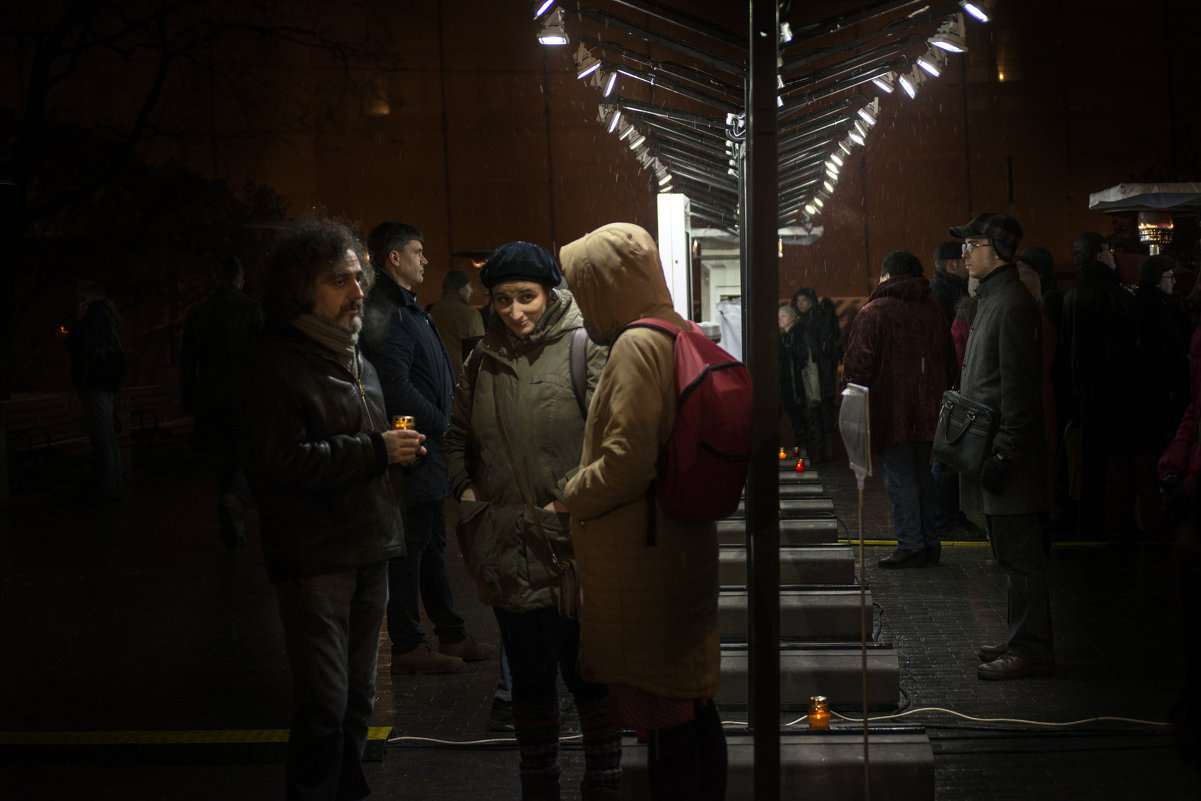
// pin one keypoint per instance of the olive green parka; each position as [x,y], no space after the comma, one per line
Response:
[531,379]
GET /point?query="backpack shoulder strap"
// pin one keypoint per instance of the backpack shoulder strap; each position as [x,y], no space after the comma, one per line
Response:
[578,350]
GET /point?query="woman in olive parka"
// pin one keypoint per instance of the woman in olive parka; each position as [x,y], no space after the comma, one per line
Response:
[519,418]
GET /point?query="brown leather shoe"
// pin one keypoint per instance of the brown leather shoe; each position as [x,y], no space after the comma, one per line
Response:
[424,659]
[988,653]
[467,649]
[1012,666]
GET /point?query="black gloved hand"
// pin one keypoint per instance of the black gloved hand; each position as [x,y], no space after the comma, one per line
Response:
[995,472]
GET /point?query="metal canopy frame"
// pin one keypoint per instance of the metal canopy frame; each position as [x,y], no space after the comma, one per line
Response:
[694,128]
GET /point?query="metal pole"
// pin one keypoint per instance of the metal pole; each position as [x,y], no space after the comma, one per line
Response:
[761,282]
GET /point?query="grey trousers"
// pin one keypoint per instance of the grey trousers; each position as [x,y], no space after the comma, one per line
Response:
[1017,545]
[332,624]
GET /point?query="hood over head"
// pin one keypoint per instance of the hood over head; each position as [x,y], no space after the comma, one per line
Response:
[616,278]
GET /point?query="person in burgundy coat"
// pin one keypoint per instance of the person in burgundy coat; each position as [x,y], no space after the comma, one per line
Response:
[901,349]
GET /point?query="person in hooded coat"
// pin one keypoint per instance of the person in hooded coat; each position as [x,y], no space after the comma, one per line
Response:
[648,619]
[814,339]
[516,409]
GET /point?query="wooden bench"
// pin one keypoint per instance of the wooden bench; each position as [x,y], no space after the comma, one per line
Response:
[46,444]
[159,428]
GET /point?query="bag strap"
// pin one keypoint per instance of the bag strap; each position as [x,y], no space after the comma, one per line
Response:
[578,350]
[521,485]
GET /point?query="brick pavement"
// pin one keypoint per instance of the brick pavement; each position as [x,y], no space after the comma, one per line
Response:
[136,617]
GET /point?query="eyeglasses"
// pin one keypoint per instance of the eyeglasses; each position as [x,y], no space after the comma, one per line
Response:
[968,247]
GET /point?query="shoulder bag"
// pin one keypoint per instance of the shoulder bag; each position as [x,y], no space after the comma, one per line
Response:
[964,433]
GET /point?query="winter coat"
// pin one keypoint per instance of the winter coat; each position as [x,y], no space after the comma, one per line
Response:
[947,290]
[97,355]
[649,615]
[1183,454]
[900,347]
[1097,339]
[505,553]
[316,462]
[400,340]
[456,320]
[794,357]
[1163,367]
[1002,368]
[820,334]
[219,337]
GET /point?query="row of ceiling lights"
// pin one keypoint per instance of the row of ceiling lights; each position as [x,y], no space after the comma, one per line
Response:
[949,38]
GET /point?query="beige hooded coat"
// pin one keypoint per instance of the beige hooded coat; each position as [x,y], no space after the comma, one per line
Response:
[649,613]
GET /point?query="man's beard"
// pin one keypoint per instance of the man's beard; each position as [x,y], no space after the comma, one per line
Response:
[350,324]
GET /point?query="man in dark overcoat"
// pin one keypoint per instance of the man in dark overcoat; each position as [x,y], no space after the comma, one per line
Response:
[1002,368]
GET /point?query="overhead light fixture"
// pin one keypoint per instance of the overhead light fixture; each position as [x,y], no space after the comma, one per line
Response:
[950,36]
[929,65]
[586,63]
[610,82]
[884,82]
[844,147]
[785,33]
[865,114]
[855,137]
[837,159]
[663,190]
[553,34]
[616,119]
[861,128]
[817,201]
[637,141]
[665,179]
[980,9]
[908,85]
[810,209]
[829,187]
[543,7]
[779,102]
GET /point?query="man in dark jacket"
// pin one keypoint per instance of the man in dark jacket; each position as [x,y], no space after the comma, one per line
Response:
[900,348]
[401,341]
[1002,369]
[949,284]
[1097,350]
[947,288]
[219,336]
[97,367]
[1163,374]
[319,447]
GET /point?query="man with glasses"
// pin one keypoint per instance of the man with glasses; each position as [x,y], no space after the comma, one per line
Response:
[1002,368]
[1097,341]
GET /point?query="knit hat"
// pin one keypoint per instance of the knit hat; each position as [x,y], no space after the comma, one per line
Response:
[1152,268]
[1039,259]
[1002,232]
[520,261]
[455,280]
[947,251]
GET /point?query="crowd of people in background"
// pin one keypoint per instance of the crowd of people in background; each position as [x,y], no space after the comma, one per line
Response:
[1095,389]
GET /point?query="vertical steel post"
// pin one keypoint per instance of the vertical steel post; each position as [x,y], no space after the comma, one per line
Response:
[760,281]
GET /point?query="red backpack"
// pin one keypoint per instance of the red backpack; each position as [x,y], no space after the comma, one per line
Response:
[702,469]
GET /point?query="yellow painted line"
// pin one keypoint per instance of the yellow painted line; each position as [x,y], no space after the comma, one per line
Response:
[975,543]
[161,737]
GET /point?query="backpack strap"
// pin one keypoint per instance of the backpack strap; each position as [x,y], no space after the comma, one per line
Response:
[672,331]
[578,350]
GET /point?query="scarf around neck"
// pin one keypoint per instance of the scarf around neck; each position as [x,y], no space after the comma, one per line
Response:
[341,342]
